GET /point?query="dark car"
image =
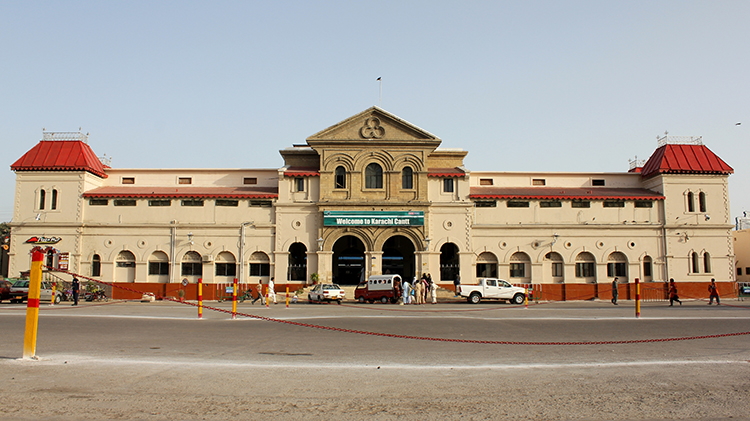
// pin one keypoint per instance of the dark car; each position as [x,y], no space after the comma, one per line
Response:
[5,290]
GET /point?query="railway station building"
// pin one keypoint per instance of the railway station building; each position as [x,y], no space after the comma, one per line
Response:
[376,194]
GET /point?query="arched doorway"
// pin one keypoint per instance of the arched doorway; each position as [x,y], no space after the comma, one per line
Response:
[449,263]
[398,257]
[348,260]
[297,270]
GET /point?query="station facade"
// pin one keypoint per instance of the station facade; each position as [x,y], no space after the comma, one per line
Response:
[375,194]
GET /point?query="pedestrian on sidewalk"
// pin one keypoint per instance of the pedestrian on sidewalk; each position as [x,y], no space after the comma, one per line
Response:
[76,287]
[457,284]
[713,293]
[673,293]
[614,291]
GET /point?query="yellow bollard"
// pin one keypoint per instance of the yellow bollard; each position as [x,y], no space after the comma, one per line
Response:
[32,305]
[287,296]
[200,298]
[526,298]
[234,299]
[637,298]
[52,301]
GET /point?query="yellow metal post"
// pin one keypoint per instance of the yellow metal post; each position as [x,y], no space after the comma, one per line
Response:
[287,296]
[234,299]
[52,302]
[200,298]
[32,305]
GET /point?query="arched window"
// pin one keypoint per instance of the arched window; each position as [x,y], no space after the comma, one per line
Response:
[191,264]
[647,269]
[617,266]
[407,178]
[96,265]
[158,267]
[519,265]
[486,265]
[694,262]
[702,201]
[586,266]
[260,264]
[374,176]
[690,200]
[53,204]
[340,175]
[42,199]
[226,265]
[706,263]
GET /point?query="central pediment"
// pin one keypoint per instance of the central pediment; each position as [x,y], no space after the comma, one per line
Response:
[373,125]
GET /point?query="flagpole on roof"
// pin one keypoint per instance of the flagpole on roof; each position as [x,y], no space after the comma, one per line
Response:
[380,95]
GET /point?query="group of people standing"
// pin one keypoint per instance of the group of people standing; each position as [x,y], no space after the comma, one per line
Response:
[419,291]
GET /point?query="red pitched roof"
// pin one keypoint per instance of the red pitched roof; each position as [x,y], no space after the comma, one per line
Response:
[563,193]
[60,155]
[195,192]
[301,172]
[445,172]
[684,159]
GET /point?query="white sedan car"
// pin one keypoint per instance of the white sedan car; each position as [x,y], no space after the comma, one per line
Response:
[326,292]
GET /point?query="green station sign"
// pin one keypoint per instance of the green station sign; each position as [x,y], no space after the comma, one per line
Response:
[373,218]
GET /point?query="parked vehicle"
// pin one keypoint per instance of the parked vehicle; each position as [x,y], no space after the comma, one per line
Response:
[383,288]
[326,292]
[19,292]
[5,289]
[495,289]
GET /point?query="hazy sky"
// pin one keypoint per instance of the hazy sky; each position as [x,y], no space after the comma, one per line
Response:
[522,85]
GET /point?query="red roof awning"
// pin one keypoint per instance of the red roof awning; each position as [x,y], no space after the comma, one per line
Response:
[60,155]
[684,159]
[555,193]
[192,192]
[302,172]
[445,172]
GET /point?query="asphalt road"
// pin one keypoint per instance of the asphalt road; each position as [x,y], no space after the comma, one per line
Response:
[551,361]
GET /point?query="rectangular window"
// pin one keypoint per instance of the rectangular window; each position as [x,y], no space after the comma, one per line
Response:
[125,264]
[485,181]
[747,271]
[261,203]
[192,202]
[615,269]
[580,204]
[613,204]
[485,204]
[517,270]
[585,270]
[447,185]
[98,202]
[226,269]
[644,204]
[538,182]
[486,270]
[227,202]
[550,204]
[249,180]
[299,184]
[192,268]
[739,271]
[557,269]
[260,269]
[597,182]
[517,204]
[158,268]
[128,180]
[184,180]
[646,268]
[160,202]
[124,202]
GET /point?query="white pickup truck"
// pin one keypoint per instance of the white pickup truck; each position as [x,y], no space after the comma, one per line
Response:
[495,289]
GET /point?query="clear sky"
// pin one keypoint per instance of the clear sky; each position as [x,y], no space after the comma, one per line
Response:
[522,85]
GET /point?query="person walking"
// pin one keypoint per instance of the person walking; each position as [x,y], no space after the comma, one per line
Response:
[673,293]
[272,290]
[76,287]
[457,284]
[433,291]
[406,290]
[418,291]
[260,295]
[614,291]
[713,293]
